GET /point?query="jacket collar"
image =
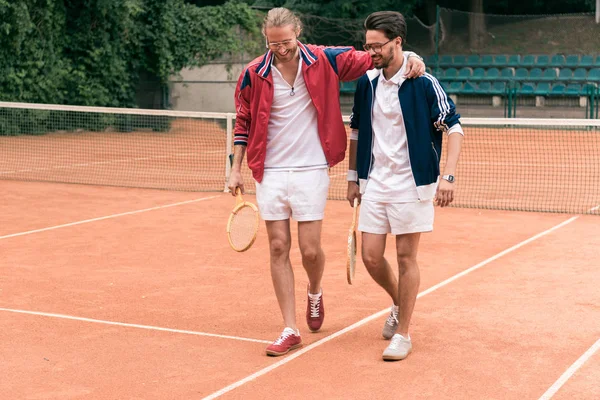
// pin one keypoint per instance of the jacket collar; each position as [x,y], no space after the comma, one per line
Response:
[264,67]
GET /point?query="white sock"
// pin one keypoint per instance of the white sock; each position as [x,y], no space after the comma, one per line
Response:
[291,331]
[315,296]
[395,308]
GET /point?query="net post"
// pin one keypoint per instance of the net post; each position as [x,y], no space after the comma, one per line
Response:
[228,149]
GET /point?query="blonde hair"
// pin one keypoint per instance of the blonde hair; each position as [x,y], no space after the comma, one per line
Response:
[280,16]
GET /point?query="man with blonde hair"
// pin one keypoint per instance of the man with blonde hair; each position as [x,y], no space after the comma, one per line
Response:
[290,124]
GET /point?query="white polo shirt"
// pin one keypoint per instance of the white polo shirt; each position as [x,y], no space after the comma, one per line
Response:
[391,179]
[293,135]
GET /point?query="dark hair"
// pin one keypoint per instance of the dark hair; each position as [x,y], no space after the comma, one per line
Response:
[391,23]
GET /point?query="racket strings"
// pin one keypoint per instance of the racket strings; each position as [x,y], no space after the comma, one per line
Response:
[244,226]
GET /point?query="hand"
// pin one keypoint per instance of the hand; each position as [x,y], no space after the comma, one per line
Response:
[415,67]
[235,181]
[353,193]
[444,193]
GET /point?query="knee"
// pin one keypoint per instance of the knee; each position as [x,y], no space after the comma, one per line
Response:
[310,255]
[279,248]
[372,262]
[406,263]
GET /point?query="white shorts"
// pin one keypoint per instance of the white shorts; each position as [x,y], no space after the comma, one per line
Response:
[395,218]
[301,195]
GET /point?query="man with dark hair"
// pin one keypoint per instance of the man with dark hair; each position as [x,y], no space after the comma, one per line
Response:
[396,141]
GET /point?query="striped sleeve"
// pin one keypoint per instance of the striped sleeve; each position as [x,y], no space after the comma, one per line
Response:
[243,115]
[442,109]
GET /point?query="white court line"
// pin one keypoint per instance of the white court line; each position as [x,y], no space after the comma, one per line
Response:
[148,327]
[381,313]
[571,371]
[106,217]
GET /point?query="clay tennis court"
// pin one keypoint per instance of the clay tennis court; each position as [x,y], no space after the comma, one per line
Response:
[110,291]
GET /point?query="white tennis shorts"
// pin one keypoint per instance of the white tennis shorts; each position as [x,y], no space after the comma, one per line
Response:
[395,218]
[301,195]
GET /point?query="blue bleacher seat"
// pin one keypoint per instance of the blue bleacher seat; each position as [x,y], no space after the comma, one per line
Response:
[549,74]
[528,60]
[498,88]
[454,87]
[535,73]
[468,88]
[586,61]
[348,87]
[450,73]
[542,61]
[514,60]
[565,74]
[521,74]
[478,74]
[558,89]
[500,60]
[483,88]
[487,61]
[573,89]
[459,61]
[526,88]
[572,61]
[587,88]
[472,60]
[446,61]
[597,62]
[580,74]
[594,75]
[507,73]
[465,73]
[492,74]
[557,60]
[542,89]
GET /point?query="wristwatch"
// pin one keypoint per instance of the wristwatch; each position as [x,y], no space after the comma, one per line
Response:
[449,178]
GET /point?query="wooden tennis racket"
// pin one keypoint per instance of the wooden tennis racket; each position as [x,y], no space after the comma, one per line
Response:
[242,226]
[351,252]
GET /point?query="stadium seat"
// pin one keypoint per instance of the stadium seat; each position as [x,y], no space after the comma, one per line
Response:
[558,89]
[572,61]
[348,87]
[557,60]
[565,74]
[451,73]
[487,61]
[468,88]
[542,89]
[535,73]
[465,73]
[586,61]
[500,60]
[454,87]
[526,88]
[478,74]
[483,88]
[492,74]
[542,61]
[472,60]
[514,60]
[528,60]
[580,74]
[588,88]
[597,62]
[521,74]
[550,74]
[508,73]
[594,75]
[459,61]
[573,89]
[498,88]
[446,61]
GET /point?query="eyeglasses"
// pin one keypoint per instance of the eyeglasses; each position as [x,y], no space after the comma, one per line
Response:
[287,44]
[376,47]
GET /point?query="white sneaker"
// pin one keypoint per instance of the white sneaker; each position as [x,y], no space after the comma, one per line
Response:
[399,348]
[391,324]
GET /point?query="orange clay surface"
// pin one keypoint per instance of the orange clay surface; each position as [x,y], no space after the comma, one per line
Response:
[202,314]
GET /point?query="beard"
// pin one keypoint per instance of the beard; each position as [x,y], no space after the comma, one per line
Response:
[381,62]
[288,56]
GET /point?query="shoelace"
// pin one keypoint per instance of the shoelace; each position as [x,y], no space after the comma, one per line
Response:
[314,307]
[395,343]
[282,338]
[392,319]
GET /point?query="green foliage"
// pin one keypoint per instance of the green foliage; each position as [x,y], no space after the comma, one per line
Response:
[93,52]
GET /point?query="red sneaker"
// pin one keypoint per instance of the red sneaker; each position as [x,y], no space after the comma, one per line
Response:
[315,312]
[289,340]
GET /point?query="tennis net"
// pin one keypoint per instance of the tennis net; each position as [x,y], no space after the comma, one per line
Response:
[547,165]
